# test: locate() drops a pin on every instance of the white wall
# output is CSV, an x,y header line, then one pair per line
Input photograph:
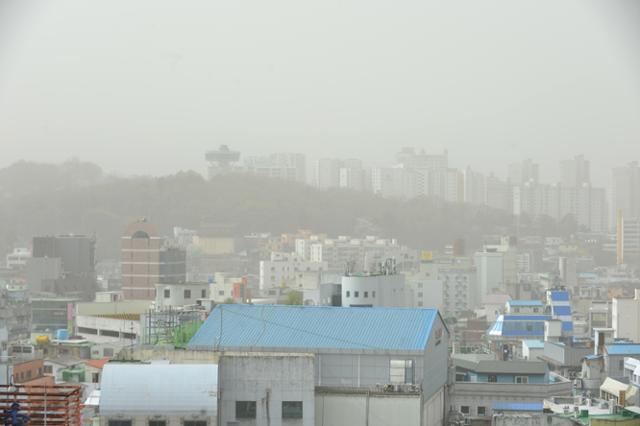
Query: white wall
x,y
626,318
351,410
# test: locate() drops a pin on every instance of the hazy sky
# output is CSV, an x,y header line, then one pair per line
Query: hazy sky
x,y
147,86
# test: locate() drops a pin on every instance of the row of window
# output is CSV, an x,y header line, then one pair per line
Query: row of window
x,y
247,409
480,410
157,423
187,293
357,294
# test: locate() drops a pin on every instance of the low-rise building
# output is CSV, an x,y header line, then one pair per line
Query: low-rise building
x,y
174,394
395,356
482,382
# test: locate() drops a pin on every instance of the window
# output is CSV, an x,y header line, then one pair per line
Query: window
x,y
48,369
194,423
420,294
157,423
366,294
187,294
522,379
482,411
291,409
203,293
401,371
621,364
464,409
167,293
373,294
95,378
119,422
492,378
348,293
535,310
107,352
220,292
356,294
245,409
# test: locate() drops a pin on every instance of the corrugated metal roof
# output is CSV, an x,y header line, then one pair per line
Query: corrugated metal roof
x,y
525,303
562,310
559,296
314,327
623,349
164,389
517,406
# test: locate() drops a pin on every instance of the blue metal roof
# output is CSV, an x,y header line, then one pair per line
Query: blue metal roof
x,y
562,310
517,406
527,317
567,326
560,296
283,326
623,349
525,303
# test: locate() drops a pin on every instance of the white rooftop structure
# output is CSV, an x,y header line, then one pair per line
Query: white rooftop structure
x,y
159,389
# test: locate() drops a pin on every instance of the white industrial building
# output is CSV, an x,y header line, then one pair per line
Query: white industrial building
x,y
159,395
180,294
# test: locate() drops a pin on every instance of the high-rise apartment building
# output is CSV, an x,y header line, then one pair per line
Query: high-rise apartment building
x,y
328,173
146,260
576,172
524,172
625,187
75,255
287,166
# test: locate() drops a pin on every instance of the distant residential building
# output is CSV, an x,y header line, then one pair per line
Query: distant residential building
x,y
482,382
626,317
626,191
286,166
15,314
575,172
18,258
474,187
524,172
76,254
147,261
328,173
290,270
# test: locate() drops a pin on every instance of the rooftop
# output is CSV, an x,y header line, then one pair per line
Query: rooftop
x,y
623,349
159,389
517,406
501,367
534,344
314,327
525,303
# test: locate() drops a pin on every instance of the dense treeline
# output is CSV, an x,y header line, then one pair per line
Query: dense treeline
x,y
78,198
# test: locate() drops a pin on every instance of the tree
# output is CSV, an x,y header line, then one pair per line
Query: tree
x,y
293,298
229,301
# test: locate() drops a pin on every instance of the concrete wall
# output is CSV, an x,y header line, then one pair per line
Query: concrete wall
x,y
362,409
626,318
268,379
143,419
362,370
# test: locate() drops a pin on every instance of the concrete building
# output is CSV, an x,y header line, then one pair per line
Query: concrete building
x,y
144,394
481,383
15,314
388,365
76,254
287,166
625,317
273,389
625,195
180,294
18,258
490,272
374,290
328,173
290,270
147,261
